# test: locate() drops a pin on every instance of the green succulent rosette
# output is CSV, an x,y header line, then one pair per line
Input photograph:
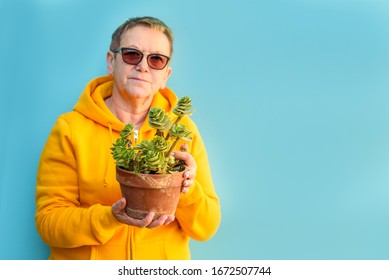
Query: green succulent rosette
x,y
127,131
154,161
160,144
123,156
121,142
180,131
143,146
158,119
183,107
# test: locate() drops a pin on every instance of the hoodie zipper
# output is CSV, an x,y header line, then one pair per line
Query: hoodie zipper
x,y
131,228
136,135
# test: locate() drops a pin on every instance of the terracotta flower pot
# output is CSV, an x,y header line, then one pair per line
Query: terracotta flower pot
x,y
144,193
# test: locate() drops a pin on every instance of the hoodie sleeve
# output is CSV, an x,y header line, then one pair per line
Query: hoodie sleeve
x,y
60,219
198,211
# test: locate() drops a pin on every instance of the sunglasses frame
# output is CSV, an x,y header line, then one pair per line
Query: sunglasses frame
x,y
142,55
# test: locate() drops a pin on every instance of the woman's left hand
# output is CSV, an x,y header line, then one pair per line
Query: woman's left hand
x,y
190,174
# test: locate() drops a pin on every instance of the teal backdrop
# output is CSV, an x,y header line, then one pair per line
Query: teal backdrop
x,y
291,98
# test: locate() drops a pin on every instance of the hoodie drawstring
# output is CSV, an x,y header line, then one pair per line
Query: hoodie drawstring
x,y
106,179
110,131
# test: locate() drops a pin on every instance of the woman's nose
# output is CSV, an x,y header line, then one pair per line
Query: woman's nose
x,y
142,65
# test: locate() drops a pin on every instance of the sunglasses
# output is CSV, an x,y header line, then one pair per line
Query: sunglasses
x,y
134,57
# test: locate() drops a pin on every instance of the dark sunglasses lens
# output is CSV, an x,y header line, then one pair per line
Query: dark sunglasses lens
x,y
132,56
157,61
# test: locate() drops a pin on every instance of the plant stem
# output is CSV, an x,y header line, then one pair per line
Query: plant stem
x,y
171,148
176,122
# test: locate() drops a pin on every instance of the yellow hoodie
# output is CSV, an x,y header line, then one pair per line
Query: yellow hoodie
x,y
76,187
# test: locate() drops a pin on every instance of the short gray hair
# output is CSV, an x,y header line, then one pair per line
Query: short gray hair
x,y
151,22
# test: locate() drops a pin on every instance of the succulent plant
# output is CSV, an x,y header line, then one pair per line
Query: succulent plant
x,y
183,107
154,157
159,120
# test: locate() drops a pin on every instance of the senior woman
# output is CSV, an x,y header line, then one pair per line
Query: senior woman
x,y
79,209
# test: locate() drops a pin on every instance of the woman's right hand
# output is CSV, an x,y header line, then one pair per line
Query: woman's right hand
x,y
120,214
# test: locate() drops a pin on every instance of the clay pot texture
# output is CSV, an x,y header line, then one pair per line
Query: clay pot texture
x,y
144,193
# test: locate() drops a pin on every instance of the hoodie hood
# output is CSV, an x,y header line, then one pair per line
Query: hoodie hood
x,y
91,103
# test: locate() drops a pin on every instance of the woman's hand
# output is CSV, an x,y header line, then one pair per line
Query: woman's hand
x,y
190,174
120,214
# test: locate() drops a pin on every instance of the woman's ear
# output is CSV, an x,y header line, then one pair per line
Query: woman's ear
x,y
110,62
167,75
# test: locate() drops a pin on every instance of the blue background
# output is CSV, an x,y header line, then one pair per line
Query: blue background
x,y
291,98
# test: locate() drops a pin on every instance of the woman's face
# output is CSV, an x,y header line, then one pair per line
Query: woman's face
x,y
140,81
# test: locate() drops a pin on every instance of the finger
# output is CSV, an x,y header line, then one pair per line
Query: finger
x,y
185,189
187,158
184,147
169,220
158,222
182,155
187,175
145,222
187,183
119,205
